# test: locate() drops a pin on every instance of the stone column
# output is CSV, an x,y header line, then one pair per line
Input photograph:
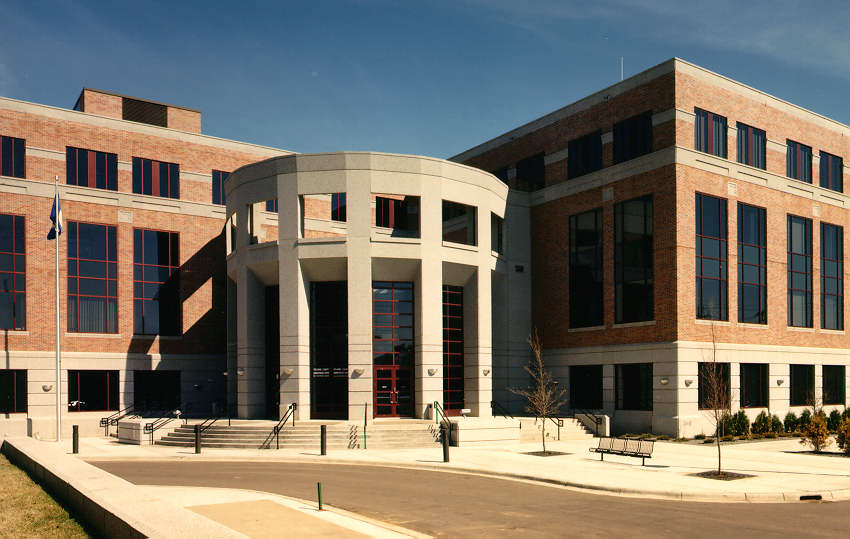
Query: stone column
x,y
429,335
359,275
478,359
232,340
250,350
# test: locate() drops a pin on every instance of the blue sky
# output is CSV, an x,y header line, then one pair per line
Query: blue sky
x,y
408,76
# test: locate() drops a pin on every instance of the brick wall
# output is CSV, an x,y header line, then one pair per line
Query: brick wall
x,y
184,120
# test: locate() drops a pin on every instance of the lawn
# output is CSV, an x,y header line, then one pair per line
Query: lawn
x,y
28,511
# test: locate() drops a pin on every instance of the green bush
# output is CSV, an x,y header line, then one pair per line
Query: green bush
x,y
727,438
740,424
770,435
833,420
776,425
843,436
805,418
726,424
815,433
699,437
662,437
845,414
708,441
762,423
791,422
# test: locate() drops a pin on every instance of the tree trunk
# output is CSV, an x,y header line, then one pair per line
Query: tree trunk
x,y
717,441
543,433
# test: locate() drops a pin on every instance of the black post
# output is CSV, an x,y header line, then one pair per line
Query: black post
x,y
324,431
197,439
444,437
76,439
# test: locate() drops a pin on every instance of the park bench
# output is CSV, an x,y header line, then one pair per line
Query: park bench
x,y
641,449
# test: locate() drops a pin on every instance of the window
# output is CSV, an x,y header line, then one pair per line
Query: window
x,y
460,223
92,278
338,207
799,271
634,386
752,146
831,276
802,385
752,264
156,283
531,173
711,253
710,133
714,388
88,168
497,234
834,384
584,155
12,157
218,178
586,387
156,178
137,110
799,161
92,391
754,386
400,214
501,173
831,172
13,391
271,205
453,397
633,260
13,273
586,298
633,137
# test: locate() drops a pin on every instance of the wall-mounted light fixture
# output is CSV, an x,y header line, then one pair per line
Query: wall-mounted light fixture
x,y
240,371
432,372
287,371
358,372
779,382
486,372
46,387
688,382
664,381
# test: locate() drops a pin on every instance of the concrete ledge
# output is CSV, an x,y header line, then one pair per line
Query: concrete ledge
x,y
110,506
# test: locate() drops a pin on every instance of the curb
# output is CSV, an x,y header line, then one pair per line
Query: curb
x,y
685,495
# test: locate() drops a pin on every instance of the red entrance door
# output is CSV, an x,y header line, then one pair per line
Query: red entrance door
x,y
392,348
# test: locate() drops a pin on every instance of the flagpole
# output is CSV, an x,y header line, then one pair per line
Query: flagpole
x,y
58,334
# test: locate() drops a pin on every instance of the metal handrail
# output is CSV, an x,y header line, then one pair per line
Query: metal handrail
x,y
558,423
208,422
158,423
113,419
275,432
439,412
596,420
365,415
502,411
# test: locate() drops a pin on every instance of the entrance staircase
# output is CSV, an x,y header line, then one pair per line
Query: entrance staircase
x,y
244,434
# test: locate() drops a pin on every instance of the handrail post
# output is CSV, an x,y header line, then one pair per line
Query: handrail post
x,y
365,415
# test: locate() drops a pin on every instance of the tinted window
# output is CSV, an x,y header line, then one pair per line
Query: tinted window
x,y
633,261
584,155
586,275
633,137
799,271
752,264
711,258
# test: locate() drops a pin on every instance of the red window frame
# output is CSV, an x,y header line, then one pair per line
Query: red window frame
x,y
172,188
75,385
808,272
271,205
453,388
395,367
19,274
88,178
139,268
722,260
111,258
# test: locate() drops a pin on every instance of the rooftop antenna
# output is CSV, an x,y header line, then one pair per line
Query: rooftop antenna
x,y
621,68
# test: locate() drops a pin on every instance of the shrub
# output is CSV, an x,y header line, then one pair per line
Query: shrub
x,y
845,414
770,435
805,417
727,438
699,437
726,426
776,425
791,422
662,437
815,433
833,421
708,441
740,423
762,423
843,436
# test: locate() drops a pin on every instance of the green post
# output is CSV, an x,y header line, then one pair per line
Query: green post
x,y
319,488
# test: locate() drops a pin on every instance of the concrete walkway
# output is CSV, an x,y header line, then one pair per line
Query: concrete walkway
x,y
782,470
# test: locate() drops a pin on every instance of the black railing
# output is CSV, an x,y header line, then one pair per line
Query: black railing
x,y
113,419
158,423
365,415
226,414
275,433
441,418
592,416
557,421
498,409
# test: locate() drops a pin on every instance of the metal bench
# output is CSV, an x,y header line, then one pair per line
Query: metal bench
x,y
641,449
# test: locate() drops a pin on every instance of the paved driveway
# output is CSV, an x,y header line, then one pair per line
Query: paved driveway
x,y
449,504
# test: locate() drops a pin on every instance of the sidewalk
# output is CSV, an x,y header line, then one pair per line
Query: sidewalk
x,y
782,470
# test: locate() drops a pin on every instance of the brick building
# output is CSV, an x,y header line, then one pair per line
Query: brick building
x,y
672,221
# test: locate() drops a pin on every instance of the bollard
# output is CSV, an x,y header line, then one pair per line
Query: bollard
x,y
444,438
76,439
324,432
319,488
197,439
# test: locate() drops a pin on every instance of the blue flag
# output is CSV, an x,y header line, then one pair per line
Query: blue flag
x,y
56,218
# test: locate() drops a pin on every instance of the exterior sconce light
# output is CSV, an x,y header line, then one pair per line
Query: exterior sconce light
x,y
46,387
240,371
664,381
358,372
779,382
196,387
288,371
688,382
486,372
432,372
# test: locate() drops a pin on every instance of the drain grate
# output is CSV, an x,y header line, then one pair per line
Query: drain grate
x,y
811,497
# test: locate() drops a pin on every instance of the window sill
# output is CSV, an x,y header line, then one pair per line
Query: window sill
x,y
703,322
462,246
23,332
803,330
334,239
634,324
749,325
589,328
94,336
831,331
160,337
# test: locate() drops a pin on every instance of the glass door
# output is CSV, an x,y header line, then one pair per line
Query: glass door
x,y
392,348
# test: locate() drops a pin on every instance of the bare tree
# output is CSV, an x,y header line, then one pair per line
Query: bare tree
x,y
544,398
716,398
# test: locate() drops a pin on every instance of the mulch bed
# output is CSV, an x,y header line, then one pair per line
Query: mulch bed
x,y
722,476
546,453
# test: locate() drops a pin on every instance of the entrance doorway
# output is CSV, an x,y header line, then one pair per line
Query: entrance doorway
x,y
272,321
392,348
156,390
329,350
452,349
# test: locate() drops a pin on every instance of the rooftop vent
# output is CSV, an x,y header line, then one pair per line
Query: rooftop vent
x,y
144,111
